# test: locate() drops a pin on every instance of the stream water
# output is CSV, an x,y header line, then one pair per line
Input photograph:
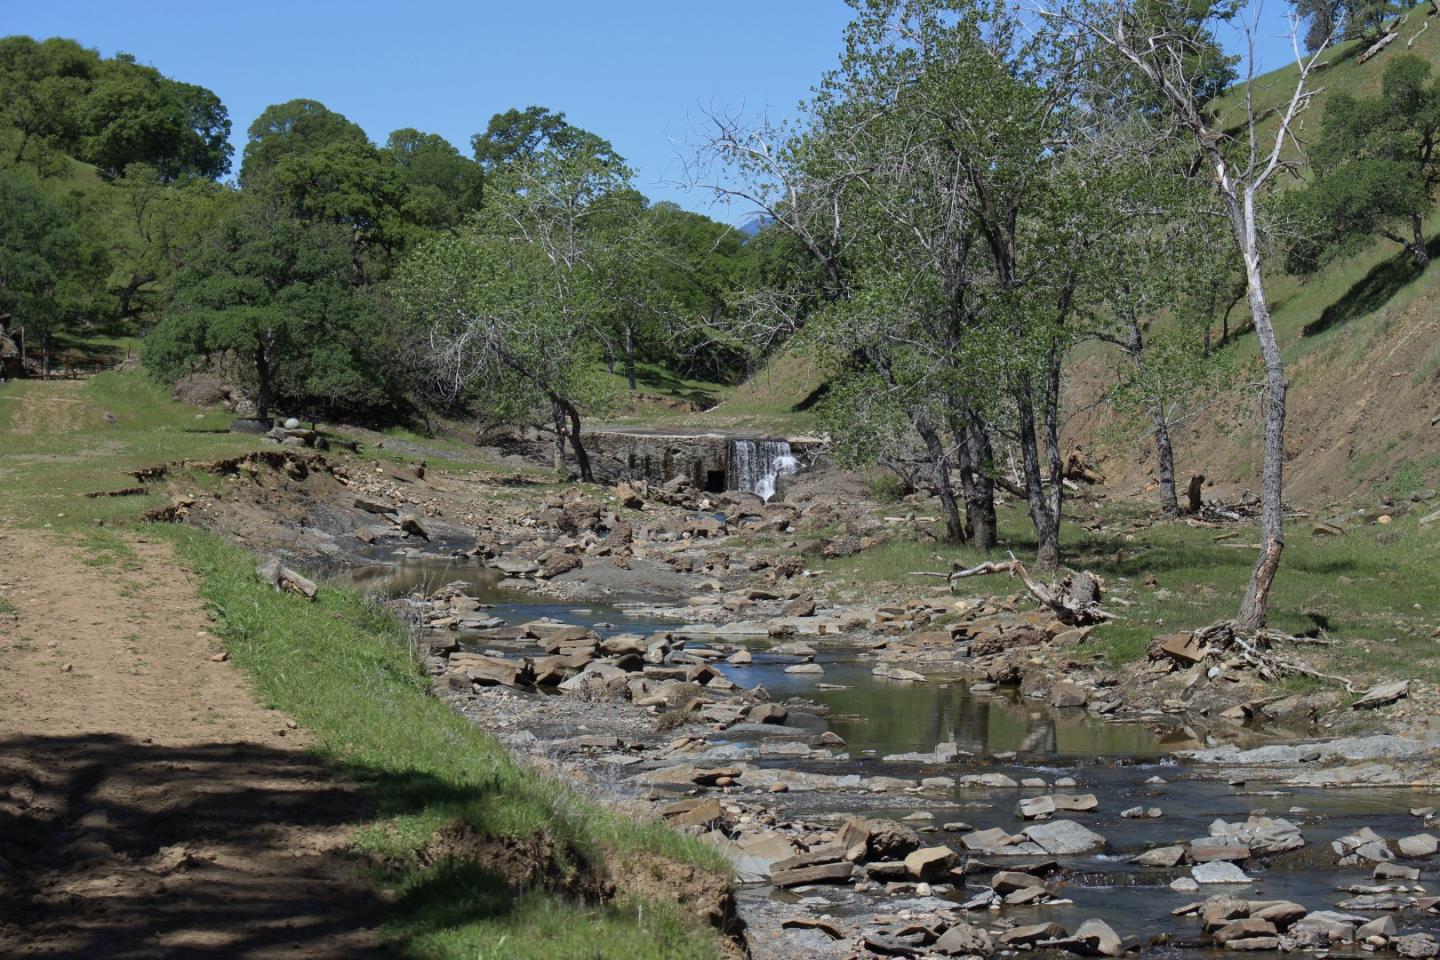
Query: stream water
x,y
1115,761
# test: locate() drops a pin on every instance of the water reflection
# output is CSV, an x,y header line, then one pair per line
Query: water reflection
x,y
871,713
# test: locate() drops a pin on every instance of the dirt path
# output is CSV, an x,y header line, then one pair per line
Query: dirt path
x,y
149,806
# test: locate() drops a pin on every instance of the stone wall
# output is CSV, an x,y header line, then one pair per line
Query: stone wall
x,y
700,458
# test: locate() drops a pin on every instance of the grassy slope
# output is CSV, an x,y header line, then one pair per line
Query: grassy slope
x,y
343,671
778,399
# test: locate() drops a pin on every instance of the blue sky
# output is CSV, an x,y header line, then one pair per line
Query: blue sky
x,y
639,72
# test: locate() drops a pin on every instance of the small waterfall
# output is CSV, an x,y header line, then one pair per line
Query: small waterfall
x,y
755,465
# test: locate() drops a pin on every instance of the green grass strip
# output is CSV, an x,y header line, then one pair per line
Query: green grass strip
x,y
341,667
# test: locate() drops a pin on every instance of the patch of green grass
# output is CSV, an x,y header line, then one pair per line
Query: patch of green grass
x,y
654,380
6,607
1372,591
1407,478
341,668
59,446
459,911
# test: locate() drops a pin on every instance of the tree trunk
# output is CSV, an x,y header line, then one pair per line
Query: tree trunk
x,y
1165,459
557,420
630,354
1047,539
1155,406
940,466
262,378
1255,609
1417,248
1056,491
582,459
967,473
129,292
981,509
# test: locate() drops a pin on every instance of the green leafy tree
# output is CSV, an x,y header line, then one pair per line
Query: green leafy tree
x,y
350,186
41,87
442,187
51,275
109,112
505,328
1242,168
291,128
1377,165
273,295
149,226
133,114
698,266
513,308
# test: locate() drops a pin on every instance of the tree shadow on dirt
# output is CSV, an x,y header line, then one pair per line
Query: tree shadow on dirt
x,y
119,848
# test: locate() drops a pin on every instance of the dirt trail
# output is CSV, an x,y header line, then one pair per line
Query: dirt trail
x,y
149,806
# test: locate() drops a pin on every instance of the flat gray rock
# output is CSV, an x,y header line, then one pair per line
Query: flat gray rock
x,y
1062,837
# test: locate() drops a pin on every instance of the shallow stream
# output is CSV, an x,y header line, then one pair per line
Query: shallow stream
x,y
1114,761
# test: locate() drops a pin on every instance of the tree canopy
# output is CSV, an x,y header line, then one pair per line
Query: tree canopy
x,y
1376,165
110,112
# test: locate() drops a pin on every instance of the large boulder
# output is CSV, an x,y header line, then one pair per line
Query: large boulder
x,y
202,389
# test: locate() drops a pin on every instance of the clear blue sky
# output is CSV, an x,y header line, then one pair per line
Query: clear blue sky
x,y
638,72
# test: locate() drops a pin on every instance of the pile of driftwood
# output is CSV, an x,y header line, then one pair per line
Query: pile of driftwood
x,y
1259,650
1074,599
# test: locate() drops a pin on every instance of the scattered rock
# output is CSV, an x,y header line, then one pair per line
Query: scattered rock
x,y
1383,695
1419,845
1218,871
1063,837
930,863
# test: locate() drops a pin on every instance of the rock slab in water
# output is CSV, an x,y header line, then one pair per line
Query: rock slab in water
x,y
820,873
1064,837
963,940
1420,845
1218,871
930,863
1094,938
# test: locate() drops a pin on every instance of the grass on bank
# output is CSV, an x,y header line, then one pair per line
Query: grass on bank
x,y
342,669
1375,590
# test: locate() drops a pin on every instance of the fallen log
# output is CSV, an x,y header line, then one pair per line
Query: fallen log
x,y
1076,606
1378,46
283,578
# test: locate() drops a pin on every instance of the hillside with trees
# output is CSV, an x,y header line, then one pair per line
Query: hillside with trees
x,y
444,550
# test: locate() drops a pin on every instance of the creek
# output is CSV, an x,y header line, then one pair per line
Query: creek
x,y
1004,733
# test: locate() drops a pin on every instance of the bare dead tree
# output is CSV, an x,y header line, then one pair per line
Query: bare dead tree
x,y
1160,47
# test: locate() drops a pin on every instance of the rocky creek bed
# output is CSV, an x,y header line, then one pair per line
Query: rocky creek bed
x,y
872,808
902,771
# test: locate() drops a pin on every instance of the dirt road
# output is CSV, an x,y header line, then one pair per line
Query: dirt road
x,y
149,806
